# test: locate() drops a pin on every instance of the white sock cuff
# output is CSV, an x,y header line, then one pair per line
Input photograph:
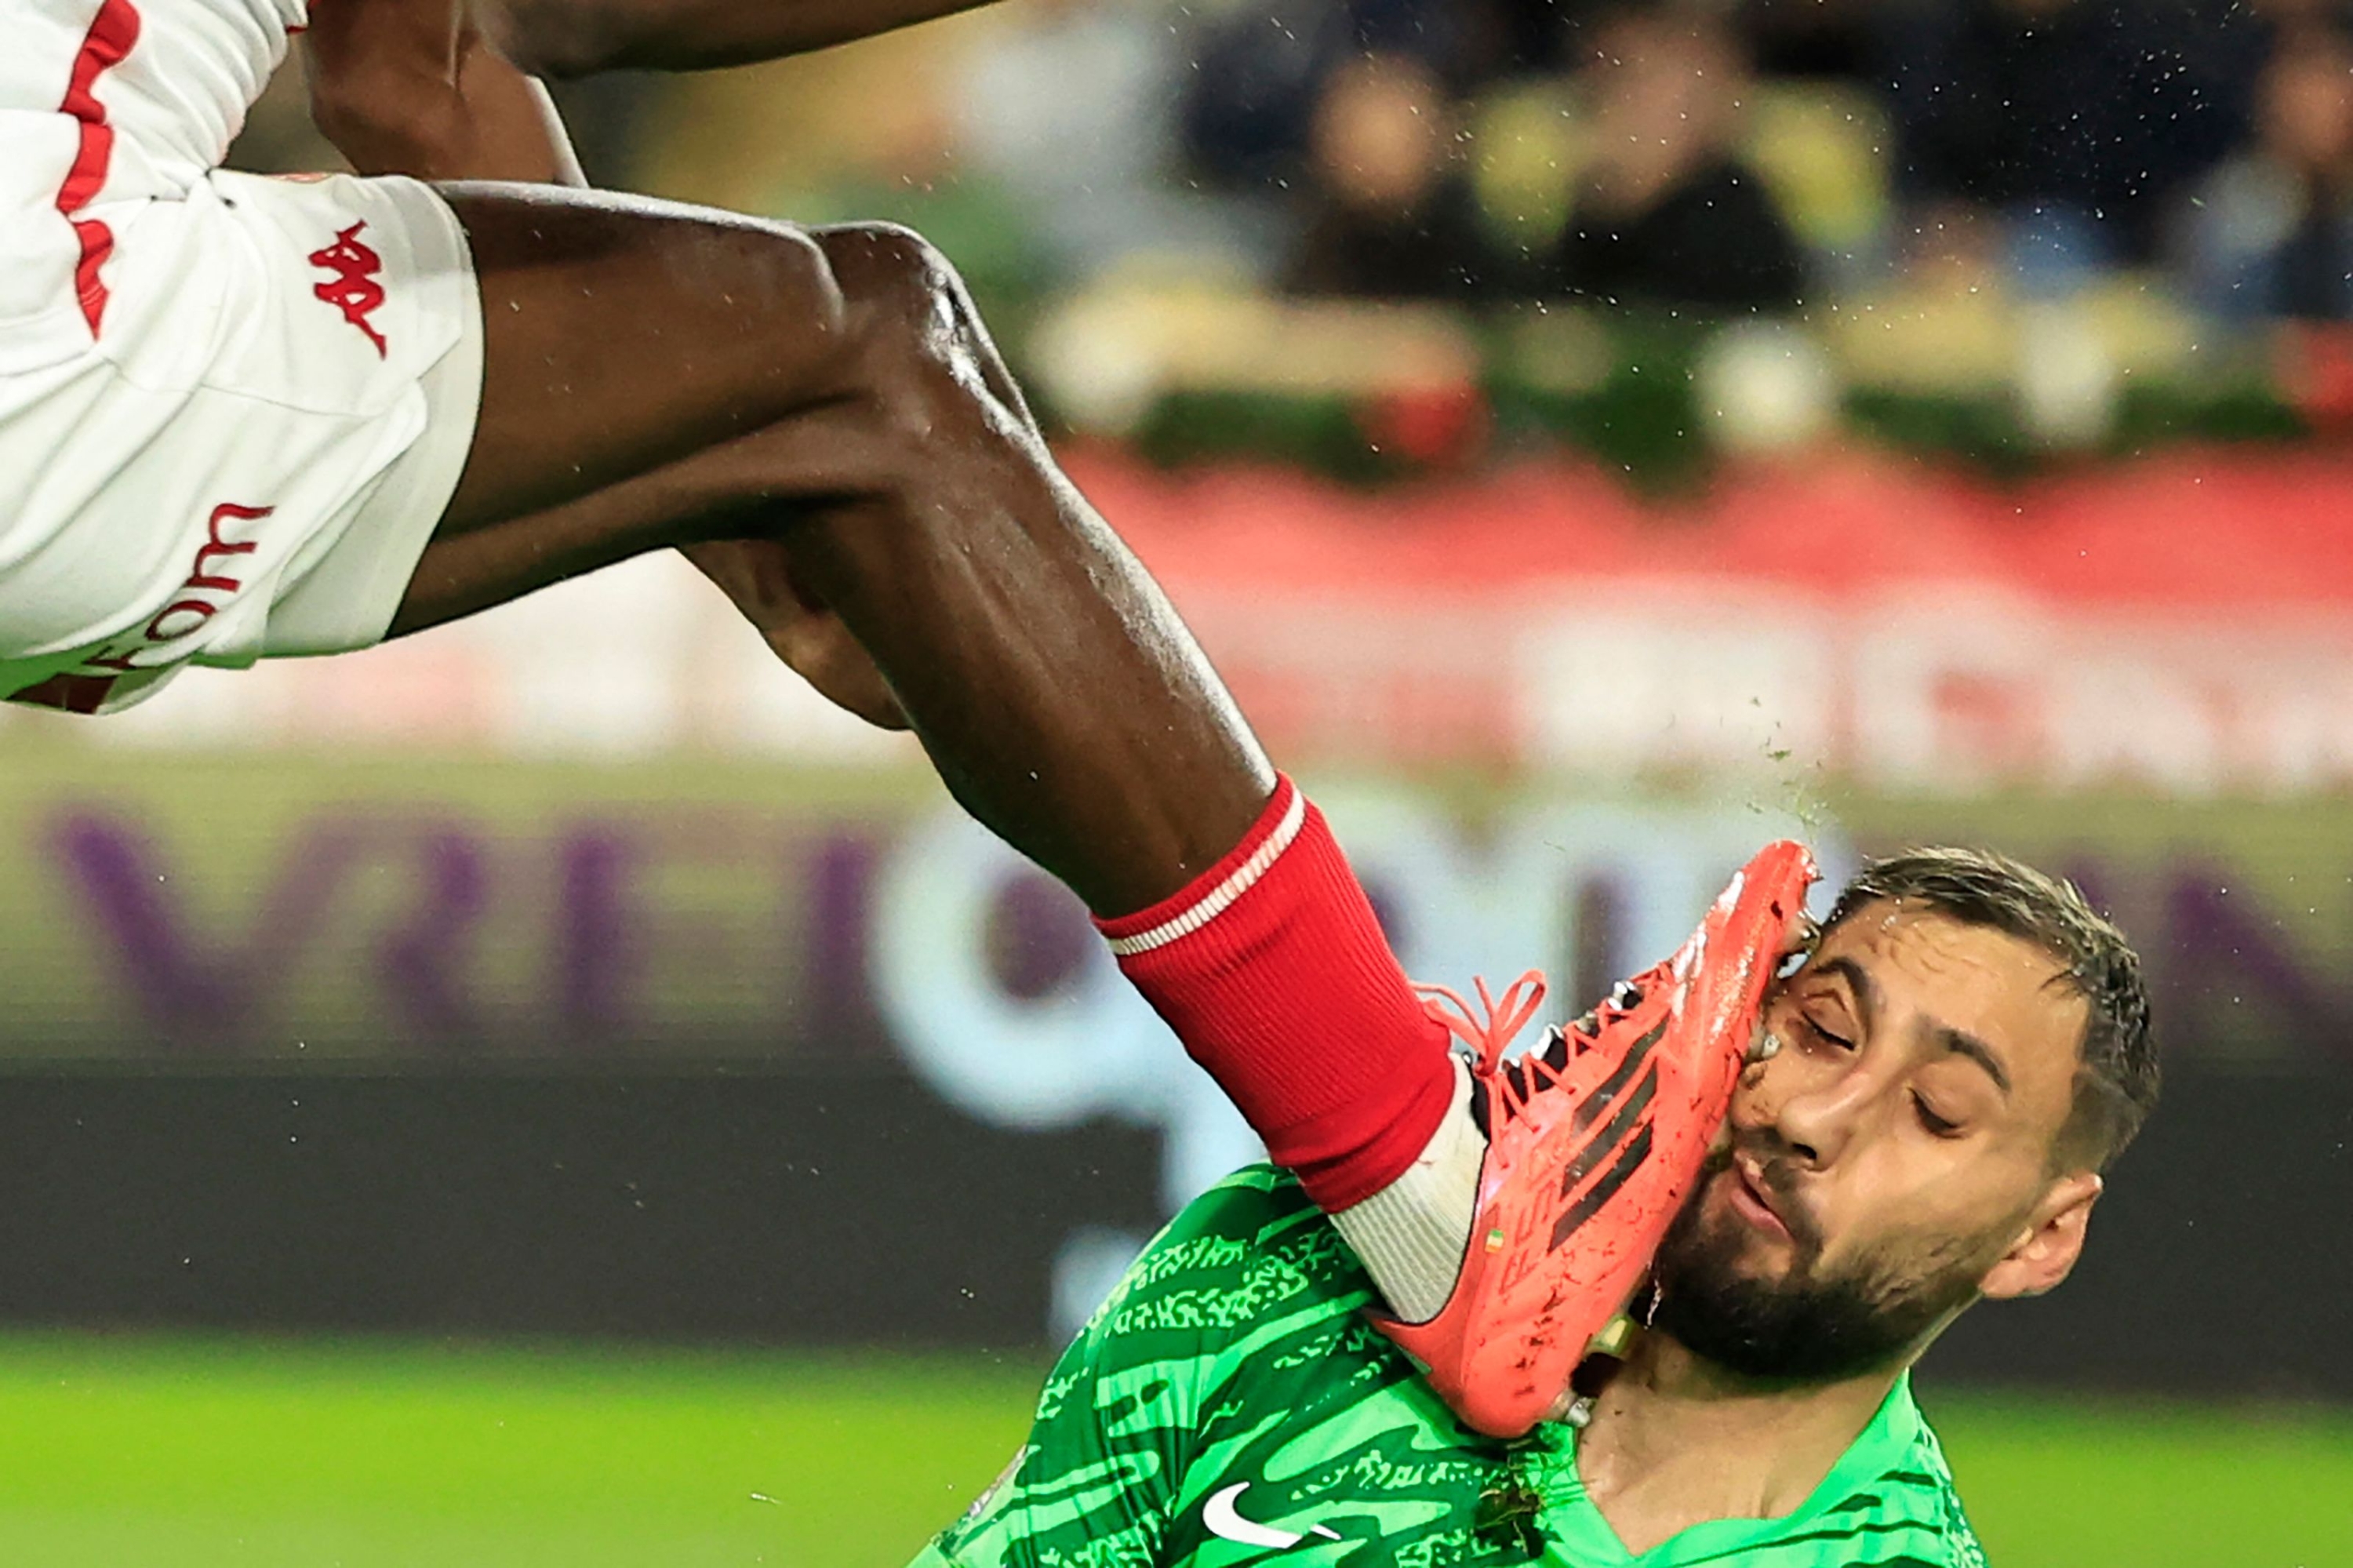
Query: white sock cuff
x,y
1412,1234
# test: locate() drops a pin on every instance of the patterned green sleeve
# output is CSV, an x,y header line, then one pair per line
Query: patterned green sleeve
x,y
1098,1480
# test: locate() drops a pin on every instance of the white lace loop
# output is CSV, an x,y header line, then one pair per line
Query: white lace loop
x,y
1503,1018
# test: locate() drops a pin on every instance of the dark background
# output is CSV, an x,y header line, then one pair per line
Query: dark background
x,y
845,1207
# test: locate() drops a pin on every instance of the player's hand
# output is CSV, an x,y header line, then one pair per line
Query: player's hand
x,y
757,575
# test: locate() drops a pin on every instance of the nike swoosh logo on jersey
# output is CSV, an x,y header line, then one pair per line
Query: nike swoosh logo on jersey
x,y
1222,1517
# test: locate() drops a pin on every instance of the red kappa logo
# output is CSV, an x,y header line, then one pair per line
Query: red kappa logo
x,y
353,288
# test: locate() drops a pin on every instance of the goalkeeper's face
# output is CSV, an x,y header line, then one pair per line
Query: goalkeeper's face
x,y
1891,1161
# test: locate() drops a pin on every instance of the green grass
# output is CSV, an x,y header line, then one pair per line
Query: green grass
x,y
135,1451
2151,1485
126,1453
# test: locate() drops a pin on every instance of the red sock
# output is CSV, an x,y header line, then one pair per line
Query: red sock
x,y
1272,970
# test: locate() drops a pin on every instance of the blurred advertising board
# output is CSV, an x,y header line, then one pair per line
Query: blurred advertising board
x,y
280,909
617,1046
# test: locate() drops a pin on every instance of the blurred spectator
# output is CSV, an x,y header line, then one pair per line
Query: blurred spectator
x,y
1261,70
2073,119
2270,232
1257,76
1666,210
1388,211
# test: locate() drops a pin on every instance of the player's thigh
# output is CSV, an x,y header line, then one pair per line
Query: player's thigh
x,y
622,334
657,375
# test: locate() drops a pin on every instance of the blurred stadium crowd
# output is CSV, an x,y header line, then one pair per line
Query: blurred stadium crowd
x,y
1749,157
2030,201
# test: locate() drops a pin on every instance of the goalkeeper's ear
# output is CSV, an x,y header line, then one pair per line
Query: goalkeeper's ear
x,y
2049,1242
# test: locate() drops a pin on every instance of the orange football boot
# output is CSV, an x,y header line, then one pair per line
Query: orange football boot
x,y
1593,1143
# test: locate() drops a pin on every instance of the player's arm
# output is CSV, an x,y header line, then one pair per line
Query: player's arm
x,y
414,87
573,38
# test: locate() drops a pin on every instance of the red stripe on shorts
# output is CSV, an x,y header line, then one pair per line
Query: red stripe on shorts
x,y
111,34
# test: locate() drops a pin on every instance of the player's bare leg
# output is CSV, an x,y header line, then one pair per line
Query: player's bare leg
x,y
659,376
1063,700
1064,703
874,444
847,400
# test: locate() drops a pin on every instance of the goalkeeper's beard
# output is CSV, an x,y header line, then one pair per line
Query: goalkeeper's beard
x,y
1806,1324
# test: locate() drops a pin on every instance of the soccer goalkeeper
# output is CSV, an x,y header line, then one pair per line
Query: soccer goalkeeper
x,y
1964,1051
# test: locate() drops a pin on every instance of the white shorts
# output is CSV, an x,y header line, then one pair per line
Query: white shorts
x,y
250,453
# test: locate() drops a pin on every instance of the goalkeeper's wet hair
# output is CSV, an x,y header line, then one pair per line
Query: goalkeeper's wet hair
x,y
2116,1077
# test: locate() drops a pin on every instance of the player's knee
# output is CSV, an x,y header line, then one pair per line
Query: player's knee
x,y
906,304
887,264
928,350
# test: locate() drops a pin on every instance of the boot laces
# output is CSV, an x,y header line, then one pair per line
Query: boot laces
x,y
1487,1035
1490,1032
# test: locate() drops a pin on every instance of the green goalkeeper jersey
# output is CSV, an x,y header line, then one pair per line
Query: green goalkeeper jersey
x,y
1230,1404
